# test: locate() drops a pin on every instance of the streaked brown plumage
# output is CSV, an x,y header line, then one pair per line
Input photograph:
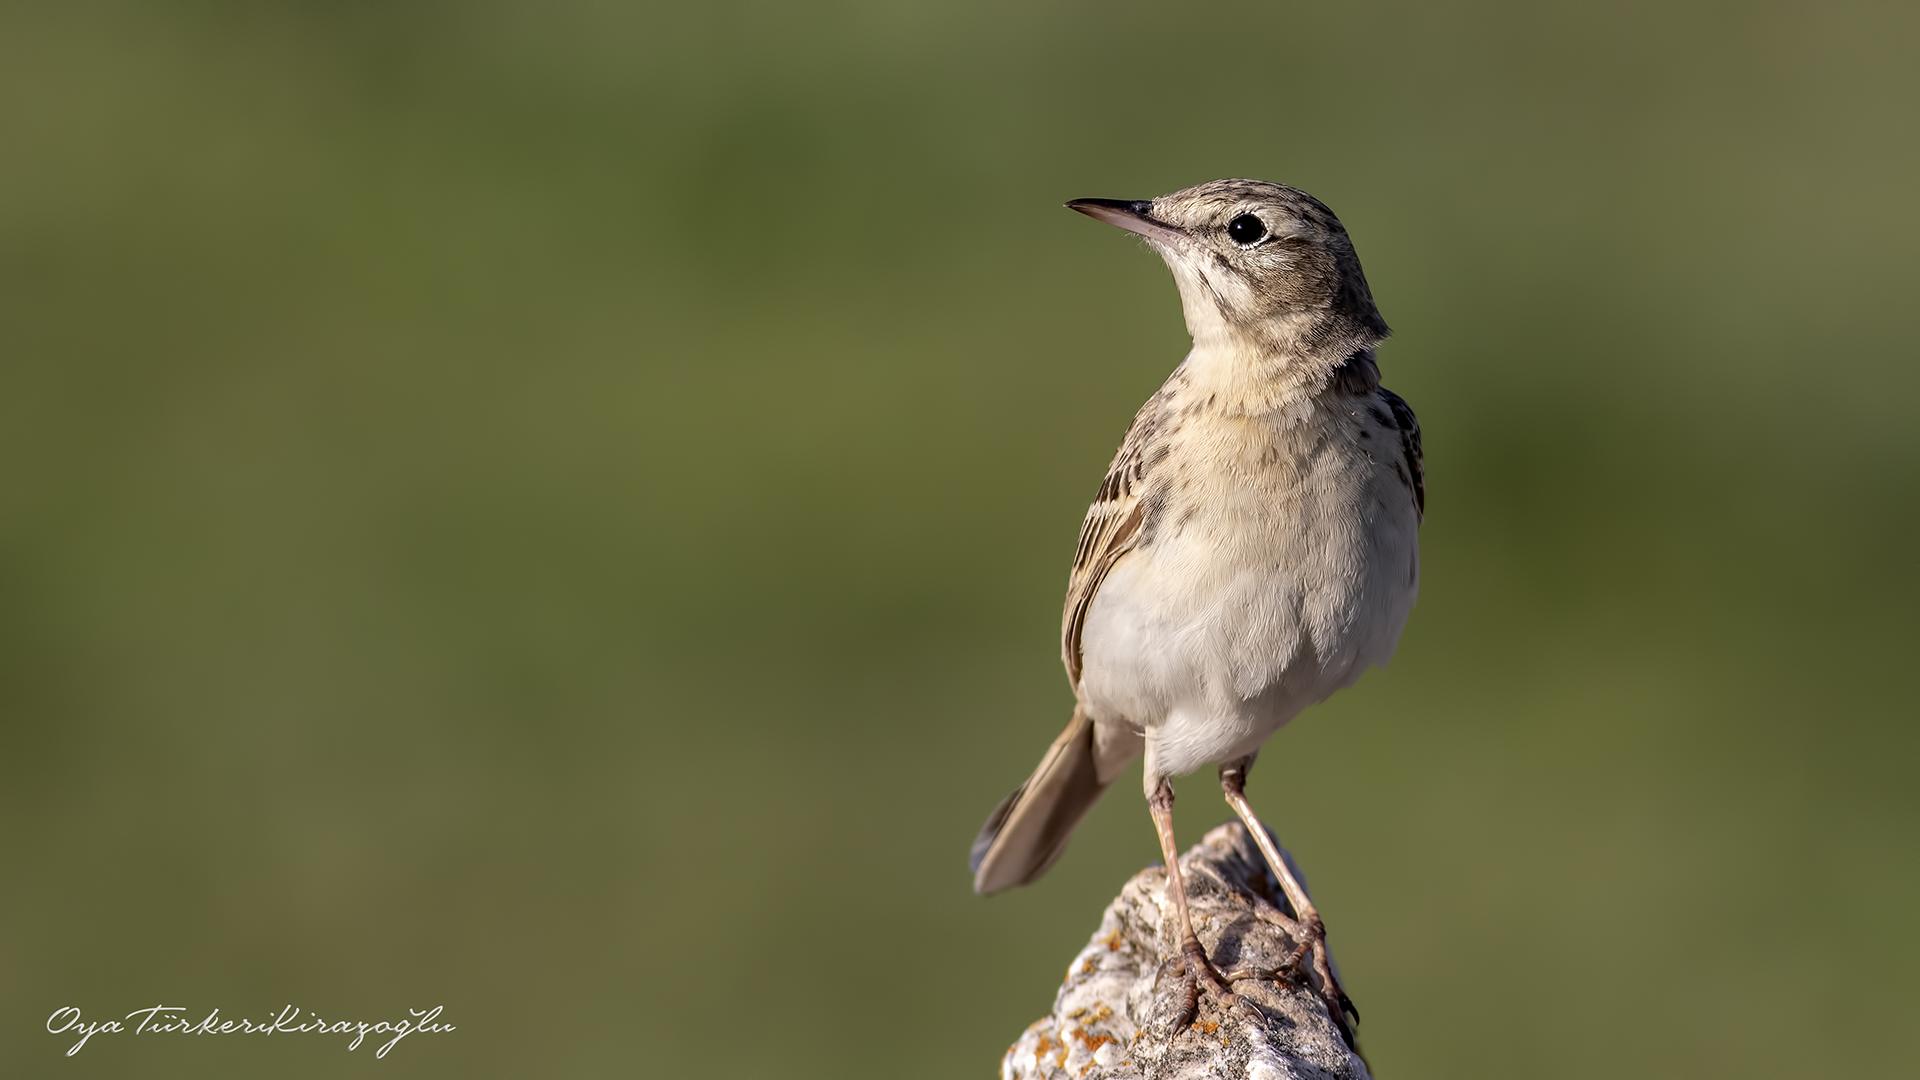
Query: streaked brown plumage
x,y
1253,547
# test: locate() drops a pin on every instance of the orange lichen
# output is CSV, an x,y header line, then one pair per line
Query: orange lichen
x,y
1091,1042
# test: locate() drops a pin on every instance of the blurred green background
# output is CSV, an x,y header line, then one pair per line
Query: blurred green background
x,y
560,511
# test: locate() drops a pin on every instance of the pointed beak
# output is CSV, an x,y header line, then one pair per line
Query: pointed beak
x,y
1133,215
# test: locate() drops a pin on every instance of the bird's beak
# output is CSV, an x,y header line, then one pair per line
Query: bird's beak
x,y
1133,215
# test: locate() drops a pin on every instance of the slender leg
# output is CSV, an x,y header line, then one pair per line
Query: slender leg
x,y
1308,932
1200,970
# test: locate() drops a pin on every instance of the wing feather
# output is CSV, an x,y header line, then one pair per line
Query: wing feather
x,y
1409,426
1112,526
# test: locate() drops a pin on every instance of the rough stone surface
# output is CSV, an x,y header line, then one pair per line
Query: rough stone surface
x,y
1113,1017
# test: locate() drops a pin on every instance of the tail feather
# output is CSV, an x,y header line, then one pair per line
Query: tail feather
x,y
1029,829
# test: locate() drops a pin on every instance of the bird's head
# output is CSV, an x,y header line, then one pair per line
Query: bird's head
x,y
1261,267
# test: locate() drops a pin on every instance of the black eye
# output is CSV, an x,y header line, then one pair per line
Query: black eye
x,y
1246,229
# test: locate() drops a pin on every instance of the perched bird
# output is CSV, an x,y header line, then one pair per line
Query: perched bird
x,y
1253,549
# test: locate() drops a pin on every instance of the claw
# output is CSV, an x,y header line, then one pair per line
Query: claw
x,y
1189,1003
1338,1005
1200,974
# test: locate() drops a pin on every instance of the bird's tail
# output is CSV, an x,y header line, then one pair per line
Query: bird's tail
x,y
1029,829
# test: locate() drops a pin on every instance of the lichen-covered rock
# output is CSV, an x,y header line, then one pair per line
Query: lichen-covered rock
x,y
1114,1016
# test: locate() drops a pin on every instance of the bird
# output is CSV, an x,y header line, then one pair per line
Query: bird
x,y
1253,548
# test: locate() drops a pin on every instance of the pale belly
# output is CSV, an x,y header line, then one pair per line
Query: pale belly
x,y
1266,599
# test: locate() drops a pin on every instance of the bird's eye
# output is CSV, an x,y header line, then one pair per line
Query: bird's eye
x,y
1246,229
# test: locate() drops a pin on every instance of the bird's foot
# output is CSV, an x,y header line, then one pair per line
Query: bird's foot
x,y
1308,965
1200,976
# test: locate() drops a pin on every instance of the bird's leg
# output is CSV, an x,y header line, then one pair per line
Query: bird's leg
x,y
1306,929
1200,971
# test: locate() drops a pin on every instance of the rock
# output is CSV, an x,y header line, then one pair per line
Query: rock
x,y
1113,1017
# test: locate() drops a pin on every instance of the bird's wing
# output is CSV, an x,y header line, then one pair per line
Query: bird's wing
x,y
1409,425
1112,525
